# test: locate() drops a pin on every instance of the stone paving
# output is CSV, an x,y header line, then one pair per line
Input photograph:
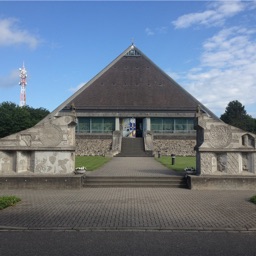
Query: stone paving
x,y
130,208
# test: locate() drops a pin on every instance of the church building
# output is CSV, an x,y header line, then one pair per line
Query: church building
x,y
133,99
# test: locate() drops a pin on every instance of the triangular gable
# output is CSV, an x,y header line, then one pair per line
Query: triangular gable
x,y
132,82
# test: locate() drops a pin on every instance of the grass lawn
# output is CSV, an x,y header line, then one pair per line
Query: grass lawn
x,y
91,162
94,162
253,199
181,162
6,201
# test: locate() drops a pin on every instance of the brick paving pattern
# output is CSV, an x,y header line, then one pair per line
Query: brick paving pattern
x,y
130,208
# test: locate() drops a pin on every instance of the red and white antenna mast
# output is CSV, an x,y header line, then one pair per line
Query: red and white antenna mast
x,y
23,83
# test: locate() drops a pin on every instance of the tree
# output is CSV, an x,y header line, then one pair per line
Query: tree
x,y
14,118
235,115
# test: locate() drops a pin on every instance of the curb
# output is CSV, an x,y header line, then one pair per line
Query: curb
x,y
129,229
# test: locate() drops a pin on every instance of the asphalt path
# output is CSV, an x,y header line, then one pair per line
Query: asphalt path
x,y
37,243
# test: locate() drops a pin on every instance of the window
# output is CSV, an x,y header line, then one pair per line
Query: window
x,y
133,52
109,125
95,125
172,125
168,124
157,124
83,125
181,125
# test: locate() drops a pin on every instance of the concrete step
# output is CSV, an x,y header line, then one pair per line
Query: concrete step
x,y
133,147
136,154
120,181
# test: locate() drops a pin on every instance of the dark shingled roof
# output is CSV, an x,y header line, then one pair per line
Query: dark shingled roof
x,y
132,82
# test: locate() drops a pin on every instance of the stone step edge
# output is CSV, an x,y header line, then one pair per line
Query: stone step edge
x,y
135,185
137,181
134,178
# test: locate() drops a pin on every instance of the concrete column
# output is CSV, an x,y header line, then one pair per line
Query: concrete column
x,y
254,163
22,161
245,140
7,161
117,124
146,124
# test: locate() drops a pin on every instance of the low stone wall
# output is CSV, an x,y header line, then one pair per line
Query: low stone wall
x,y
69,181
100,145
226,182
179,147
93,146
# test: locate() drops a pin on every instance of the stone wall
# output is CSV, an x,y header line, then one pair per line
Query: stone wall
x,y
223,149
225,182
46,148
100,145
179,147
93,145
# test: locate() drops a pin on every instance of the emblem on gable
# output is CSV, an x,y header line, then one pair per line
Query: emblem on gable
x,y
51,135
220,136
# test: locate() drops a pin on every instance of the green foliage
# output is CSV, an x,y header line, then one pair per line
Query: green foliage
x,y
181,162
6,201
236,115
91,162
14,118
253,199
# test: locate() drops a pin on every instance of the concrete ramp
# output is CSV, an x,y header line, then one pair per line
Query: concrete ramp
x,y
133,166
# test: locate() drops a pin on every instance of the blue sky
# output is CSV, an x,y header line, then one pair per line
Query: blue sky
x,y
209,48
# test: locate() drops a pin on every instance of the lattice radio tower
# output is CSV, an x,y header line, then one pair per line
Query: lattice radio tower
x,y
23,83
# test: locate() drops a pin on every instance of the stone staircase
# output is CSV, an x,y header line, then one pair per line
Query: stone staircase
x,y
125,181
133,147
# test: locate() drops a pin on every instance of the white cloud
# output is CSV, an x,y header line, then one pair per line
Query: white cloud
x,y
149,32
217,13
11,34
173,75
162,30
12,79
159,30
74,89
229,48
226,71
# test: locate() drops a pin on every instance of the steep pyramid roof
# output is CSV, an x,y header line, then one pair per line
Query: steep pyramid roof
x,y
132,82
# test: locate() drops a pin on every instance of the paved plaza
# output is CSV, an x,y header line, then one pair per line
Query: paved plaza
x,y
130,208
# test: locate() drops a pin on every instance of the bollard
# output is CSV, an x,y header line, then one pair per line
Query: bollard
x,y
173,159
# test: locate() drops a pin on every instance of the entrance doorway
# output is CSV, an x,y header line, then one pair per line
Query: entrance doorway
x,y
139,127
132,127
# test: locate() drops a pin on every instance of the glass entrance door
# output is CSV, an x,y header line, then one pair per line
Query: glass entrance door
x,y
132,127
139,127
